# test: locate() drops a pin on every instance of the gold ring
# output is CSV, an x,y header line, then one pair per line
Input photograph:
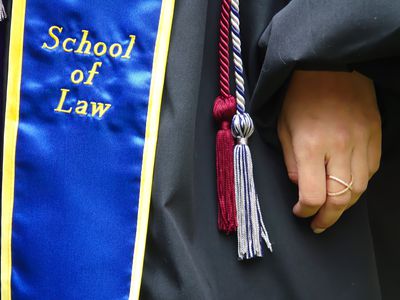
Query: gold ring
x,y
348,186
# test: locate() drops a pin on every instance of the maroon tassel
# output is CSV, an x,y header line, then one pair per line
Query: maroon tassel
x,y
224,110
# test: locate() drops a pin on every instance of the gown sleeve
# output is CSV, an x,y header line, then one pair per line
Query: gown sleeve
x,y
362,35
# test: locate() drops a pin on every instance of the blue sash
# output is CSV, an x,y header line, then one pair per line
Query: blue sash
x,y
83,100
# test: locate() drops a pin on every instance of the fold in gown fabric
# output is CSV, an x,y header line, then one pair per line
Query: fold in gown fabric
x,y
186,257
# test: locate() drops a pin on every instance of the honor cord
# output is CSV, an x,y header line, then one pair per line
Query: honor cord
x,y
251,229
224,110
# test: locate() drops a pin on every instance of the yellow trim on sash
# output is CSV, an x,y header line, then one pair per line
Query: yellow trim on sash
x,y
10,141
149,152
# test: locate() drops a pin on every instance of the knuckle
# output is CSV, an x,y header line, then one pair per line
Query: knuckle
x,y
375,122
342,139
323,223
312,201
360,187
306,146
339,202
293,176
361,132
364,125
375,167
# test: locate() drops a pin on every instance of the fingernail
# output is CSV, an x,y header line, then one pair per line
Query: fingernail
x,y
319,230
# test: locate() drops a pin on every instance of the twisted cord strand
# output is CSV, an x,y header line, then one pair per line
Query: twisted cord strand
x,y
237,56
223,49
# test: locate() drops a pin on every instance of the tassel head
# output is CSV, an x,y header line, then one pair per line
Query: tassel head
x,y
224,109
242,127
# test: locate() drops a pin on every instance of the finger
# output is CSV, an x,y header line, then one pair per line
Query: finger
x,y
288,153
360,172
374,153
339,166
311,181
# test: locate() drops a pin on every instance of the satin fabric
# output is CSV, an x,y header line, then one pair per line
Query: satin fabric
x,y
77,177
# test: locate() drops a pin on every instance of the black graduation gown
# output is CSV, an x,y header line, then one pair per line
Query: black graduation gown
x,y
186,257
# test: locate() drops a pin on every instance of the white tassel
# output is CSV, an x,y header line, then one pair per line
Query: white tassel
x,y
3,14
251,231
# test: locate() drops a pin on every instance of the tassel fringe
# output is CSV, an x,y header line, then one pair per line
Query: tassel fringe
x,y
3,14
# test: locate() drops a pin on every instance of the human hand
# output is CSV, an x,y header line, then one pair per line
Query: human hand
x,y
329,125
